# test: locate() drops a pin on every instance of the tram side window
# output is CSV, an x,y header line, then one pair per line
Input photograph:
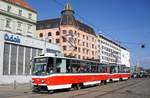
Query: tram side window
x,y
68,67
102,69
50,65
58,65
113,69
77,66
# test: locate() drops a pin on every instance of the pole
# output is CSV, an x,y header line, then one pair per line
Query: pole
x,y
45,43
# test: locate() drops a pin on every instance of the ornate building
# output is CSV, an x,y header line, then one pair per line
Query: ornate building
x,y
75,38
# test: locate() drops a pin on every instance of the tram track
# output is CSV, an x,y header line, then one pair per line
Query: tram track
x,y
122,86
116,86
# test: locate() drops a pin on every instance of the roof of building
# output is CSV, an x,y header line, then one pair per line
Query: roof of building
x,y
55,23
105,38
20,3
67,18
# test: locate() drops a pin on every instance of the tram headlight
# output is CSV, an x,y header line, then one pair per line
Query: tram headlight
x,y
42,81
32,81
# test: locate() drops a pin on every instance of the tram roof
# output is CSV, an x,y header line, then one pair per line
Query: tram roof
x,y
68,58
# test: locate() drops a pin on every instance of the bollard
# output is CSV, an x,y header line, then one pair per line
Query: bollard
x,y
30,84
15,84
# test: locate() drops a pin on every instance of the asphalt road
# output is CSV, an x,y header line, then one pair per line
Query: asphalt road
x,y
134,88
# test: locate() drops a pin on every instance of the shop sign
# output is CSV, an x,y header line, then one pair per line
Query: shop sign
x,y
12,38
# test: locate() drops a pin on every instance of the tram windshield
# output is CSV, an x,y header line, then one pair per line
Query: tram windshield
x,y
39,66
46,66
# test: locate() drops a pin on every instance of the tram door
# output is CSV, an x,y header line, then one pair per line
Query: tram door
x,y
60,65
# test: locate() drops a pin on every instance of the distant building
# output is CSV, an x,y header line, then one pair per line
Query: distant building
x,y
109,52
76,39
125,57
18,44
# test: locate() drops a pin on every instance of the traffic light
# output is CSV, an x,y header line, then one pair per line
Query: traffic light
x,y
142,46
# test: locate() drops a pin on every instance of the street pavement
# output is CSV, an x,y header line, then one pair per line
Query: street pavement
x,y
133,88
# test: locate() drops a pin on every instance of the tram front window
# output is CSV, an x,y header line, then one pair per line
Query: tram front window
x,y
39,69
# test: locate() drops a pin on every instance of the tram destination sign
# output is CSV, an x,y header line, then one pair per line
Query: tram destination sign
x,y
12,38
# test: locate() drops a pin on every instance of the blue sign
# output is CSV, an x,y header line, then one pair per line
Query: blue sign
x,y
12,38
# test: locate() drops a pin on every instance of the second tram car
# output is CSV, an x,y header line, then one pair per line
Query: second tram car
x,y
53,72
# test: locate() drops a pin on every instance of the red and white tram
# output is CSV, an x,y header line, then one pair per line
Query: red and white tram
x,y
119,73
54,72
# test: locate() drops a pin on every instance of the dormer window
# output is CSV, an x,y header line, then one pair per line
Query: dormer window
x,y
29,15
8,8
49,34
20,12
57,33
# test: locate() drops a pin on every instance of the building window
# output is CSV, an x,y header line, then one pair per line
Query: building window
x,y
57,41
79,56
78,42
75,32
78,35
64,39
8,21
86,44
49,40
83,51
83,36
19,26
49,34
71,32
20,12
83,43
92,45
8,8
87,52
64,31
87,37
92,39
29,15
83,57
79,49
64,48
92,52
41,35
57,33
29,27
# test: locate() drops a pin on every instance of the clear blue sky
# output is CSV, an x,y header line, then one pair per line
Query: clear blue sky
x,y
121,20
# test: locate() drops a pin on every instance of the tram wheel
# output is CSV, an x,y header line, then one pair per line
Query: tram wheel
x,y
75,87
50,91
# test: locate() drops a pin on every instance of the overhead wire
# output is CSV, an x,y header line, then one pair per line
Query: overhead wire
x,y
98,29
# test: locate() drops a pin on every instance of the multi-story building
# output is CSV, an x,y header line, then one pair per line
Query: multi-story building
x,y
125,57
75,38
18,44
109,52
17,16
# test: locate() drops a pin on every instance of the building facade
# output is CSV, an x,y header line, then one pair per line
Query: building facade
x,y
76,39
17,16
18,43
109,52
125,57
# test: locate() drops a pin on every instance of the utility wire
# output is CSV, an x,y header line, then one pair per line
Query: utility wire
x,y
81,17
98,29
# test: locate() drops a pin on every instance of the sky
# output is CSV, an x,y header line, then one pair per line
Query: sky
x,y
124,21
